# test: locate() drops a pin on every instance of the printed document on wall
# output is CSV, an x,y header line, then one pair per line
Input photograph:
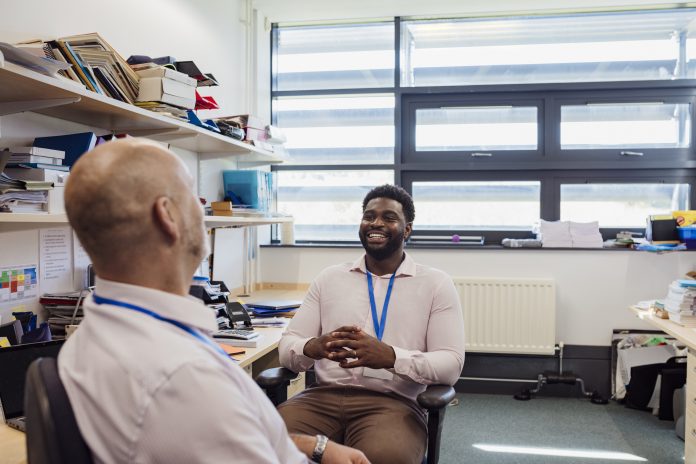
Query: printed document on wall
x,y
18,282
55,260
80,262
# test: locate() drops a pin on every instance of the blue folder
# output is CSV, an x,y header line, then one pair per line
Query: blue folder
x,y
74,145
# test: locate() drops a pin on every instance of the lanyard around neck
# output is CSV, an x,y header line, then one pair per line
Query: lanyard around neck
x,y
379,326
99,300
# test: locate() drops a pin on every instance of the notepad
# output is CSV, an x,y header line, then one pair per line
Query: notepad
x,y
231,350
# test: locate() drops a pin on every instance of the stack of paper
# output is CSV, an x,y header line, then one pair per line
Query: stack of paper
x,y
554,234
586,235
569,234
63,309
680,303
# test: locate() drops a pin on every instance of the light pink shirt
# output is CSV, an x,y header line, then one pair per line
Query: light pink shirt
x,y
145,391
424,325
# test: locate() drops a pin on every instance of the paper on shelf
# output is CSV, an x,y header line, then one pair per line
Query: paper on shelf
x,y
28,60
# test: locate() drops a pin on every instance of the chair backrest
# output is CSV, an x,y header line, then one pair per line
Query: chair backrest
x,y
52,433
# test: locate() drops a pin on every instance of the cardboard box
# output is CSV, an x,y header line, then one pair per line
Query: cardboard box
x,y
167,91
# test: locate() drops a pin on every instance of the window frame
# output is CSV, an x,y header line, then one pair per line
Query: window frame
x,y
549,164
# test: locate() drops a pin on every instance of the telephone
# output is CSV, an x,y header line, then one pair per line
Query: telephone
x,y
238,313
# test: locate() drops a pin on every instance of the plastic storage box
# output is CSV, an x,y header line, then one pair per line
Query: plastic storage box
x,y
688,236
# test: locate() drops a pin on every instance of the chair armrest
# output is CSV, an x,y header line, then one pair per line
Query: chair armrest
x,y
436,397
273,377
275,381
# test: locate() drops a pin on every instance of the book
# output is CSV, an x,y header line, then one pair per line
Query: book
x,y
235,342
22,158
74,145
38,151
55,167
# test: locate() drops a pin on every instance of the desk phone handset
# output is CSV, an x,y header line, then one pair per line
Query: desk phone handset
x,y
238,315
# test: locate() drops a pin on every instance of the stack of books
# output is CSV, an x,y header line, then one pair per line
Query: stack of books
x,y
96,65
166,86
36,155
680,302
275,308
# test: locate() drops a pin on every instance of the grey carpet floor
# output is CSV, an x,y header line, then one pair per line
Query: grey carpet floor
x,y
558,423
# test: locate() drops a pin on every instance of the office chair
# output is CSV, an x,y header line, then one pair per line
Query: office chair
x,y
434,399
52,433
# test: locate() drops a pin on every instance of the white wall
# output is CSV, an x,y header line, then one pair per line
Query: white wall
x,y
210,32
593,288
326,10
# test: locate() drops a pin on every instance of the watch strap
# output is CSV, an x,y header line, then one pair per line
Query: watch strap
x,y
319,448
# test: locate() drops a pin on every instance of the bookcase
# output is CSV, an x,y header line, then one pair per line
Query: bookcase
x,y
25,90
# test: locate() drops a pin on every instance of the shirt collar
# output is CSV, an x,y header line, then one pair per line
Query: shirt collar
x,y
407,267
187,310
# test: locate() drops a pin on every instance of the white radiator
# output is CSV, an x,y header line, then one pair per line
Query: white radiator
x,y
508,315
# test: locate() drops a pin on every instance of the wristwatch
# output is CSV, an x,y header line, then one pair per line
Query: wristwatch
x,y
319,448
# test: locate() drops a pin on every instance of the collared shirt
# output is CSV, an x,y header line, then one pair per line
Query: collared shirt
x,y
146,391
424,325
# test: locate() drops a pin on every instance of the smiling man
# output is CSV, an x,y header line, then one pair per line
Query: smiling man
x,y
377,331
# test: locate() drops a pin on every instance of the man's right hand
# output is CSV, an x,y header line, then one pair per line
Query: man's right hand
x,y
339,454
317,348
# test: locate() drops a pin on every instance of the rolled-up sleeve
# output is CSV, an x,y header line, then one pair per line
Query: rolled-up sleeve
x,y
443,359
305,325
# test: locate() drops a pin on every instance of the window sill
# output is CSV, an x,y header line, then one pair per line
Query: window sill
x,y
431,246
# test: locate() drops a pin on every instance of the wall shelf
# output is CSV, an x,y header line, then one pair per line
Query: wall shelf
x,y
36,218
210,221
24,90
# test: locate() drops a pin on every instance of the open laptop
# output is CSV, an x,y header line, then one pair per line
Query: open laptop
x,y
14,363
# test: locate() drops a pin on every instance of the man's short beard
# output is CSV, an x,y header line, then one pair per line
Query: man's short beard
x,y
387,250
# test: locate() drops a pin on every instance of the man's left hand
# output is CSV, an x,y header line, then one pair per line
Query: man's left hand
x,y
366,350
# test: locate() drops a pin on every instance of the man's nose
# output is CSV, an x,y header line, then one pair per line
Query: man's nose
x,y
377,221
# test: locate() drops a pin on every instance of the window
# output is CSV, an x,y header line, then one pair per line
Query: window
x,y
465,206
338,129
335,57
626,125
327,205
621,205
476,128
490,123
567,48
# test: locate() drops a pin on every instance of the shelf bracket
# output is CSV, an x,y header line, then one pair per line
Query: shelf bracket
x,y
32,105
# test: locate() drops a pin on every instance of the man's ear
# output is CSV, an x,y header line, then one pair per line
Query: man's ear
x,y
407,230
163,215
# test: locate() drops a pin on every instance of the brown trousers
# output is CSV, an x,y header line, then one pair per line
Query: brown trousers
x,y
387,428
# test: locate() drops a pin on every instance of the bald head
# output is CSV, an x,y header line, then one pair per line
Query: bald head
x,y
130,201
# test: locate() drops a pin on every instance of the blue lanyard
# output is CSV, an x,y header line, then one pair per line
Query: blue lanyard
x,y
379,326
184,327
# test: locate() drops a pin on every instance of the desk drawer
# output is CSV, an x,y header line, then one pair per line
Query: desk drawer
x,y
690,438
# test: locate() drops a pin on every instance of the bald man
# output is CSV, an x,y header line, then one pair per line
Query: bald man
x,y
145,380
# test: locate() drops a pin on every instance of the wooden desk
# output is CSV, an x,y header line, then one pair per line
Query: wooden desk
x,y
12,446
13,443
687,336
